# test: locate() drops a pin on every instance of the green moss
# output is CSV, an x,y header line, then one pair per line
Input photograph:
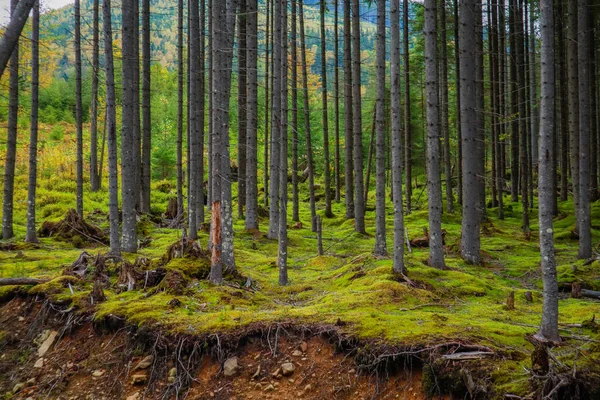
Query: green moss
x,y
54,286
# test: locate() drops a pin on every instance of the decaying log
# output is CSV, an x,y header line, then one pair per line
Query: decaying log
x,y
21,281
578,292
467,355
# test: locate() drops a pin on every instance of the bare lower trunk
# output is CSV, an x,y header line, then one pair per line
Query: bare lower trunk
x,y
252,126
94,175
359,191
348,116
78,109
146,115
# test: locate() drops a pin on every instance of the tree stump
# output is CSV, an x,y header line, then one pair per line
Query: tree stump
x,y
510,300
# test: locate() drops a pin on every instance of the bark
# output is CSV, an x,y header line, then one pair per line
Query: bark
x,y
491,14
348,115
434,181
522,119
194,128
242,106
573,101
78,109
533,96
294,86
31,235
180,68
283,155
268,34
380,151
10,38
324,106
564,102
470,235
498,111
111,129
128,166
549,326
396,125
201,116
252,125
336,84
444,126
11,140
458,126
95,182
137,137
307,127
359,191
583,215
146,112
514,102
407,114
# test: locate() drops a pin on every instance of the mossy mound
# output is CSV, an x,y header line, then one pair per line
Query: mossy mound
x,y
72,228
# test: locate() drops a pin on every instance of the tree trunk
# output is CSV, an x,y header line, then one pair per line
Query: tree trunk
x,y
294,86
194,128
242,106
336,83
549,326
470,235
180,69
359,191
31,235
95,182
146,116
407,113
396,107
111,129
10,38
348,114
444,127
434,181
252,125
268,34
573,101
11,140
583,215
78,109
324,106
307,132
458,127
380,148
283,155
514,101
128,166
522,119
564,102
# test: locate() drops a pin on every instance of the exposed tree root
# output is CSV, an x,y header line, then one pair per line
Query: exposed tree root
x,y
75,230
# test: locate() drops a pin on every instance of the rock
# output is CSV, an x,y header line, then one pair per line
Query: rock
x,y
297,353
308,388
287,368
291,381
39,363
134,396
18,387
258,386
230,367
98,373
139,378
21,319
47,343
270,388
277,373
352,371
145,363
257,373
172,375
304,347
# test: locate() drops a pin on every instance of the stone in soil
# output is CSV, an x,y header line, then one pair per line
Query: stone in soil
x,y
230,367
287,368
139,379
145,363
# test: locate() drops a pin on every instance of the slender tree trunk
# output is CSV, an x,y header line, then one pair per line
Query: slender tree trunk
x,y
252,125
396,107
336,80
31,236
348,114
380,234
407,113
128,166
491,14
194,128
583,39
324,105
564,103
549,326
283,155
498,110
470,235
458,106
180,127
434,179
359,191
503,103
242,106
10,38
593,124
522,117
95,182
111,129
11,140
444,126
294,86
269,32
146,116
573,101
307,132
201,115
514,101
535,112
78,109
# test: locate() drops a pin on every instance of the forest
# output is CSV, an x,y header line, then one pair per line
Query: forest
x,y
300,199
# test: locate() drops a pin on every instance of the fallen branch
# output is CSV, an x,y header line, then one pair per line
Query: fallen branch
x,y
21,281
469,355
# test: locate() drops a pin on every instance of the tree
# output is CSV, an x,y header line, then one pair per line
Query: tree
x,y
549,326
94,174
78,109
522,118
434,181
324,107
444,126
294,87
407,113
221,235
396,125
19,12
111,128
336,84
128,166
146,112
268,44
359,191
348,115
380,234
252,125
283,155
514,101
458,106
563,121
583,214
572,67
31,236
470,235
180,68
242,105
11,140
307,127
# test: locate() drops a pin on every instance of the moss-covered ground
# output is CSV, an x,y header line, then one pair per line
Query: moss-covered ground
x,y
347,286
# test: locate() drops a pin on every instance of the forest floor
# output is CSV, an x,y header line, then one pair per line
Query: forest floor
x,y
367,332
